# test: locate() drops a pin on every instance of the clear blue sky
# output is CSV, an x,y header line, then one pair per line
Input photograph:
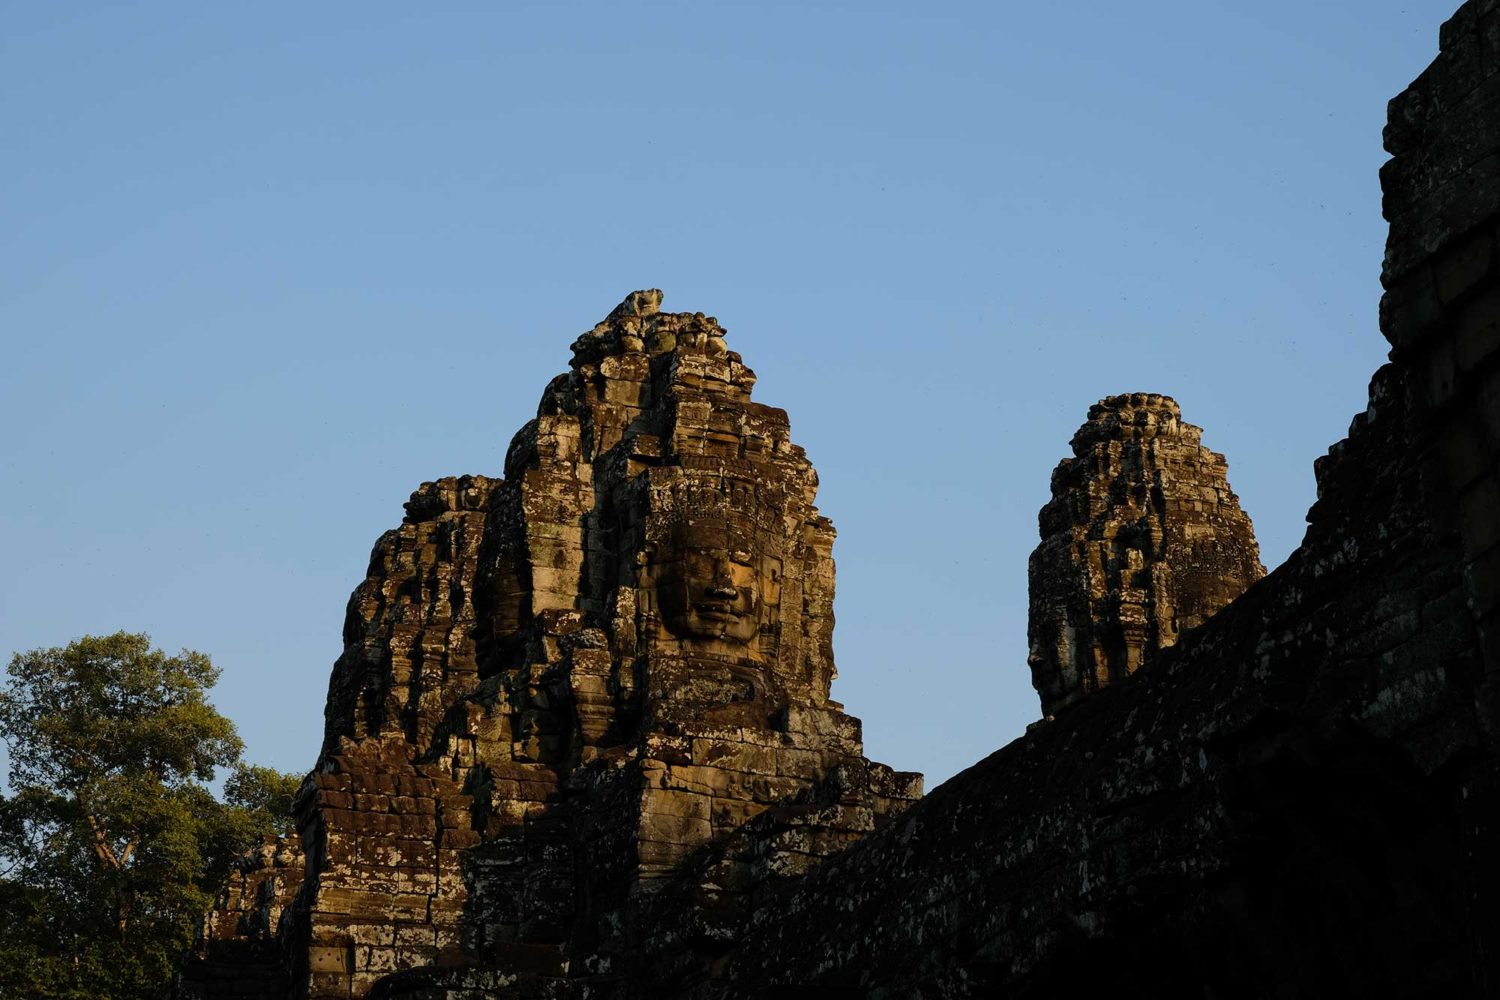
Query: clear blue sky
x,y
266,267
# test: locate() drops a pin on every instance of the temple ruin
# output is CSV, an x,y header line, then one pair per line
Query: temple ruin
x,y
580,744
1141,541
560,688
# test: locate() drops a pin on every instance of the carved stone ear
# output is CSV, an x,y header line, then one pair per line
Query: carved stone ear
x,y
647,555
770,588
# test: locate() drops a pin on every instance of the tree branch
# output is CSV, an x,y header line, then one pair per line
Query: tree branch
x,y
102,850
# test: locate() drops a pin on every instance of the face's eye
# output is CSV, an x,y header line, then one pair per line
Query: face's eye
x,y
740,556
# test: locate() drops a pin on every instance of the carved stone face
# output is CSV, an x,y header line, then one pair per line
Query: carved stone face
x,y
708,584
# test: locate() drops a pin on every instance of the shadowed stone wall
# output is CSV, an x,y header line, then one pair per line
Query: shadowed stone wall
x,y
580,743
1299,798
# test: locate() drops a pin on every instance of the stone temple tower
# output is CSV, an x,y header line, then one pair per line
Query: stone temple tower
x,y
1142,539
564,691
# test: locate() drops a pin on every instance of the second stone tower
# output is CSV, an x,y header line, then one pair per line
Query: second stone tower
x,y
1142,539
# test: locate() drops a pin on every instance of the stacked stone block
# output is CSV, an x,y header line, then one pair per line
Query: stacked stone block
x,y
1142,540
385,889
236,953
1297,797
1441,314
561,689
409,651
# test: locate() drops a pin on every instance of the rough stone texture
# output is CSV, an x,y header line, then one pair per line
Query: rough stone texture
x,y
236,953
408,645
1274,806
564,690
1142,540
1298,798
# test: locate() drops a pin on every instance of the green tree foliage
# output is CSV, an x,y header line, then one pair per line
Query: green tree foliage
x,y
111,846
264,792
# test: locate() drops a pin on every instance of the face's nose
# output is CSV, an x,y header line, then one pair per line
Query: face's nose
x,y
723,582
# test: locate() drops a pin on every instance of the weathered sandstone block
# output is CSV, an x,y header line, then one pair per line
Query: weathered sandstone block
x,y
560,688
1141,540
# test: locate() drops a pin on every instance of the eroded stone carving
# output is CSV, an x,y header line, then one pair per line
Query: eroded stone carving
x,y
1142,539
560,686
1301,798
708,581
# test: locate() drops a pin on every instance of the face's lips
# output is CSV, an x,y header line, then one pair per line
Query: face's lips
x,y
716,611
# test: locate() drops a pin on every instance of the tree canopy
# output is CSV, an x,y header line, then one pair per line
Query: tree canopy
x,y
111,843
